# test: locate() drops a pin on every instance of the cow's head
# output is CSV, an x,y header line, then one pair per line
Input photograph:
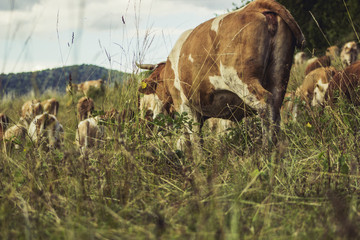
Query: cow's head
x,y
350,53
322,86
319,93
149,84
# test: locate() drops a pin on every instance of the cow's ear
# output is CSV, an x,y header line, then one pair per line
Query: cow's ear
x,y
148,87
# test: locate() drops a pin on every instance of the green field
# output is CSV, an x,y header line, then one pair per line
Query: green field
x,y
137,185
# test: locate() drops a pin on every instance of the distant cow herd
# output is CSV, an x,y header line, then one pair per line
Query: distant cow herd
x,y
232,66
39,121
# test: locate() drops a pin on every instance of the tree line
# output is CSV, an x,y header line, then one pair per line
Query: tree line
x,y
55,79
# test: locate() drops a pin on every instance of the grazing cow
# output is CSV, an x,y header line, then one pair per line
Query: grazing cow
x,y
51,106
349,53
157,93
300,58
309,92
4,122
323,61
30,110
234,64
89,134
333,52
84,87
347,82
13,136
85,107
46,129
318,77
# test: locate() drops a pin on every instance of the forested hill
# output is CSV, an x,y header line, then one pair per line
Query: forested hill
x,y
54,79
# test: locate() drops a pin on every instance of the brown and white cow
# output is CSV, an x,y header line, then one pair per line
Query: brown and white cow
x,y
333,52
46,130
309,92
349,53
234,64
90,133
300,58
13,137
85,107
4,122
30,110
347,82
324,61
84,87
318,77
51,106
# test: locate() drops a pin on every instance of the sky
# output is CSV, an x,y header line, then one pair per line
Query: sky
x,y
42,34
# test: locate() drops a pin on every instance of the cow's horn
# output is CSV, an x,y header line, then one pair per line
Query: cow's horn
x,y
146,66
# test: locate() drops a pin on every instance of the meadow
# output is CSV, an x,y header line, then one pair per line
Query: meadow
x,y
137,185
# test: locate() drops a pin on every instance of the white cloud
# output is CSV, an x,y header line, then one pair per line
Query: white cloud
x,y
42,29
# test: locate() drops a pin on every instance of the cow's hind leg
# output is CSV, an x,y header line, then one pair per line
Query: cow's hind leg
x,y
278,72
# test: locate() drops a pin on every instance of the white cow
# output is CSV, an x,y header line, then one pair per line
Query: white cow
x,y
349,53
300,58
46,129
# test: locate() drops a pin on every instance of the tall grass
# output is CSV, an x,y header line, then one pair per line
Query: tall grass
x,y
138,185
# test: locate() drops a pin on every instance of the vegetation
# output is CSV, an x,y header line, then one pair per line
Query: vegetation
x,y
54,79
138,185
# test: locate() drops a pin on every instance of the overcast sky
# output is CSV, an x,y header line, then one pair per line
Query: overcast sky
x,y
40,34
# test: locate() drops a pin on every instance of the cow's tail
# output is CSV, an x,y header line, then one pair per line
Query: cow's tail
x,y
266,6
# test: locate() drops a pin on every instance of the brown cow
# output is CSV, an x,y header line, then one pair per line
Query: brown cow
x,y
347,82
13,136
311,92
234,64
349,53
323,61
84,87
319,77
85,107
51,106
30,110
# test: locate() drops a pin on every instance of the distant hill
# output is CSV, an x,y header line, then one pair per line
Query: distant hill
x,y
55,79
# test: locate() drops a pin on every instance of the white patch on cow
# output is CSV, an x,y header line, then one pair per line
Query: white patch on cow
x,y
174,57
151,102
319,93
229,80
191,59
